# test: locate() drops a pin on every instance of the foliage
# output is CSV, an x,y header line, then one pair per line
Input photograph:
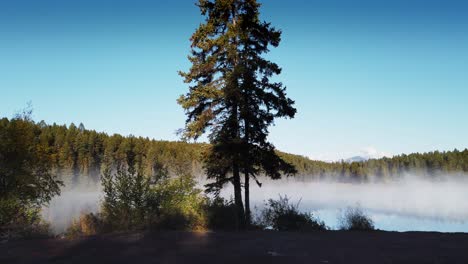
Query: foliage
x,y
430,164
221,214
82,155
282,215
181,204
86,225
23,220
133,201
25,179
233,97
354,219
125,198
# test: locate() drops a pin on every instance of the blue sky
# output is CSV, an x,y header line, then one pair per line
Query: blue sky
x,y
375,77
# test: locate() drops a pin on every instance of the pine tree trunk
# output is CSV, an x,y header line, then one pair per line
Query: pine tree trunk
x,y
236,170
236,134
238,197
248,214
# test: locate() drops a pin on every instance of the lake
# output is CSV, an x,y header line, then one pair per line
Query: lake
x,y
409,204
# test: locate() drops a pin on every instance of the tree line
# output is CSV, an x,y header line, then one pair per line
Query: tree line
x,y
233,97
429,164
38,159
79,155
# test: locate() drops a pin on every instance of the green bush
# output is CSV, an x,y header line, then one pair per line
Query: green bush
x,y
133,201
221,214
21,220
354,219
26,183
126,195
179,204
281,215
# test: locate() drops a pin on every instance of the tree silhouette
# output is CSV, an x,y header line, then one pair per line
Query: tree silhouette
x,y
232,97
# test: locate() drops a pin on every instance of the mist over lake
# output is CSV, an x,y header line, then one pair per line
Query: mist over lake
x,y
411,203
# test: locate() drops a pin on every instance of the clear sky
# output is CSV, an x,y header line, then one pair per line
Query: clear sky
x,y
376,77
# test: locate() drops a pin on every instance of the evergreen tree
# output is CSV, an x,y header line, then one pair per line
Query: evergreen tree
x,y
231,95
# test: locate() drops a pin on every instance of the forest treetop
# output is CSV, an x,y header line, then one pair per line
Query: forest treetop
x,y
75,150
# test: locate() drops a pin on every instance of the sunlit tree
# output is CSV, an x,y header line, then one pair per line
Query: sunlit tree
x,y
232,96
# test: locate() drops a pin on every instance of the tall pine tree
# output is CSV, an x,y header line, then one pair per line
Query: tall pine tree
x,y
232,97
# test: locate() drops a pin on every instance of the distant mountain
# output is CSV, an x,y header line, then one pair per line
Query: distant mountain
x,y
356,159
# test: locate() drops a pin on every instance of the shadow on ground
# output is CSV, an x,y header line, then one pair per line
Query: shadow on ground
x,y
244,247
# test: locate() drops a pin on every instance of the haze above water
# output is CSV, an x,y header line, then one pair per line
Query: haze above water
x,y
409,204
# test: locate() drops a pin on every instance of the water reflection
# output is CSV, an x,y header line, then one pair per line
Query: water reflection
x,y
410,204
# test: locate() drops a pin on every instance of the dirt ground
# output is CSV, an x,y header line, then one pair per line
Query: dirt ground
x,y
244,247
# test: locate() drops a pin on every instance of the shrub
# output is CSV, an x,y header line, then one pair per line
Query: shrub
x,y
86,225
125,198
221,214
355,219
281,215
133,201
21,220
178,204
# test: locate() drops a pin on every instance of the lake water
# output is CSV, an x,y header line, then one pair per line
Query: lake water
x,y
410,204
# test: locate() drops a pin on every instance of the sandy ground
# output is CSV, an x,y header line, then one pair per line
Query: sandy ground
x,y
243,247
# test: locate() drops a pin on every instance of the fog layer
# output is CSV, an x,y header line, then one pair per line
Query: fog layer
x,y
410,203
67,207
444,199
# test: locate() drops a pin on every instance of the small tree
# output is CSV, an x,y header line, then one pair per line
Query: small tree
x,y
26,183
125,201
133,201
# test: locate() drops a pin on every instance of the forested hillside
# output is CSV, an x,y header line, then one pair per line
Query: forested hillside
x,y
78,155
430,164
